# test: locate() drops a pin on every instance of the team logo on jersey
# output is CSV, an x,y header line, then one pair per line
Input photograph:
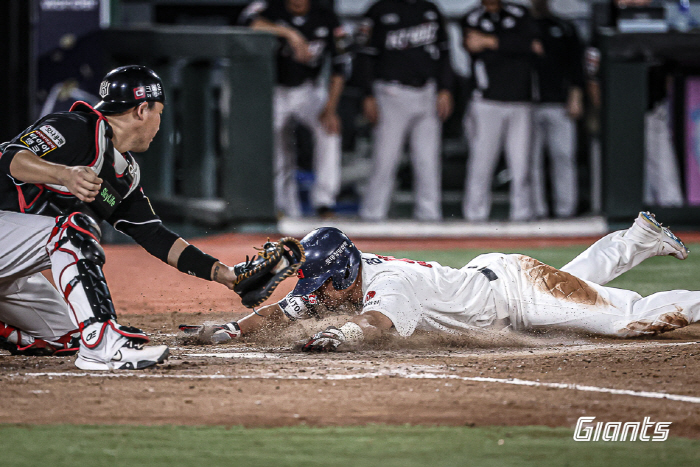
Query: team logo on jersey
x,y
430,15
508,23
298,21
311,299
390,18
321,32
104,89
370,295
43,140
415,36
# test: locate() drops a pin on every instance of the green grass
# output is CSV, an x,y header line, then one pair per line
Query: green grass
x,y
653,275
373,445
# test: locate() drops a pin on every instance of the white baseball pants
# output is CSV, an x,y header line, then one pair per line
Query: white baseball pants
x,y
28,301
553,128
491,125
304,103
662,185
405,111
574,298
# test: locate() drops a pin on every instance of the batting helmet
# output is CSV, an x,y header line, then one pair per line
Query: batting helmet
x,y
127,86
329,253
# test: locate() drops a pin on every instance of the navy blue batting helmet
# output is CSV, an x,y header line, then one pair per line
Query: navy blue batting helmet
x,y
329,254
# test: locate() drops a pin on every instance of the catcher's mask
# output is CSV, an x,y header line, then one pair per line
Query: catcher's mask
x,y
128,86
329,254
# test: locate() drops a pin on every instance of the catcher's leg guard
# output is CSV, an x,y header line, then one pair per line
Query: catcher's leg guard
x,y
77,259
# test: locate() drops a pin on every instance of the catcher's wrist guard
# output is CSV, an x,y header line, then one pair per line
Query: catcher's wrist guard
x,y
195,262
260,275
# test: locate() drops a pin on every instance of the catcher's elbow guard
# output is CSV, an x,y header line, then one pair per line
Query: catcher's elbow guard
x,y
353,333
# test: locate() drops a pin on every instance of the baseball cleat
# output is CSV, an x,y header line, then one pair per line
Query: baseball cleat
x,y
131,356
671,244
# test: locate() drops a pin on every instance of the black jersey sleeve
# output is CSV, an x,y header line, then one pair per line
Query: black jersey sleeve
x,y
136,218
339,44
445,78
575,70
63,138
369,41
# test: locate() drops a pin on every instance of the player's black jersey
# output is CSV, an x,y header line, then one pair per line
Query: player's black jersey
x,y
82,137
504,74
320,27
405,42
561,66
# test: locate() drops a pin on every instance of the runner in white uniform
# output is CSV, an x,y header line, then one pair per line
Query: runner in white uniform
x,y
492,291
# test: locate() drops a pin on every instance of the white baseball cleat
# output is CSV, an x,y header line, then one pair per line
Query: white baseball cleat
x,y
671,244
131,356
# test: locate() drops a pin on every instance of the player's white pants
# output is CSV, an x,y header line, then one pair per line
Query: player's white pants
x,y
553,128
405,111
28,301
491,126
538,295
304,103
662,184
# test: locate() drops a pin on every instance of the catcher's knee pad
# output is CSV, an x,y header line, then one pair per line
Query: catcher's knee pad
x,y
77,260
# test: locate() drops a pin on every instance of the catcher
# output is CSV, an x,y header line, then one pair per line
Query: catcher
x,y
492,291
61,177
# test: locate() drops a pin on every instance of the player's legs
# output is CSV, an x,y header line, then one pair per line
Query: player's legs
x,y
484,124
286,189
561,142
661,176
620,251
517,148
388,142
425,142
540,128
542,296
33,316
76,264
327,150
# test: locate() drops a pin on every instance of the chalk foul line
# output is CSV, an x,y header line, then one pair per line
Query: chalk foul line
x,y
391,374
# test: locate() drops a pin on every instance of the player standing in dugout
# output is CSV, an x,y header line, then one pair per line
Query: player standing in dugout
x,y
308,35
59,179
501,39
404,66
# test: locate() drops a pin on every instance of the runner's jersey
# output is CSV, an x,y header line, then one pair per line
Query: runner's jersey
x,y
415,295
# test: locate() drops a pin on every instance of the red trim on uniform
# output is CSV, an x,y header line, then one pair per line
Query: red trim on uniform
x,y
101,117
128,334
70,222
99,339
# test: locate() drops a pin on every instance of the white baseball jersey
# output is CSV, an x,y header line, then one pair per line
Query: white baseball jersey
x,y
418,295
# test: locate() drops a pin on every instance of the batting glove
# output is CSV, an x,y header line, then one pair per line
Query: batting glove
x,y
325,341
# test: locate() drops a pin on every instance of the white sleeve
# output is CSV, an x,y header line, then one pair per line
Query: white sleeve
x,y
393,296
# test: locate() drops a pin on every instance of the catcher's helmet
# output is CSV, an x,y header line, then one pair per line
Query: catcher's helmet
x,y
329,253
127,86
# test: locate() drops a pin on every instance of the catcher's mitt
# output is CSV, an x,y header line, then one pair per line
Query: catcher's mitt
x,y
260,275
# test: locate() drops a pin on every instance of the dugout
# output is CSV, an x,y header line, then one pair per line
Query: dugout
x,y
626,59
211,162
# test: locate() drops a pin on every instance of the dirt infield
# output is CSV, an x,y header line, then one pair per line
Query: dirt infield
x,y
478,379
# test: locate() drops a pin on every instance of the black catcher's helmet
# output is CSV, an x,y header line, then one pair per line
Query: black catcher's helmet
x,y
127,86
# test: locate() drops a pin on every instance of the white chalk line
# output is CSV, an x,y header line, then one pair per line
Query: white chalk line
x,y
391,374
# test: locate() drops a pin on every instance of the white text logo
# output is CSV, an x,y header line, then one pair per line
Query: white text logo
x,y
617,431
